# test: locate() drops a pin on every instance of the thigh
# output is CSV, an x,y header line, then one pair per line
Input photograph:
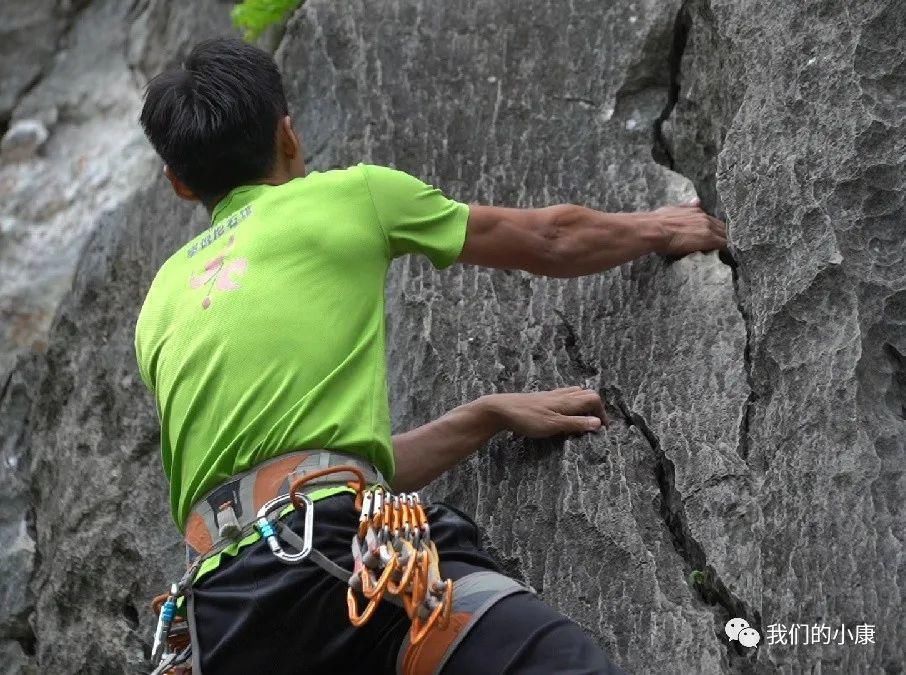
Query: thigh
x,y
521,634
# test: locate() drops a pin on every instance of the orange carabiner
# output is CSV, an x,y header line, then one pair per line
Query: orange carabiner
x,y
444,607
406,516
416,595
397,516
420,589
397,589
377,591
434,558
448,605
421,519
387,515
352,607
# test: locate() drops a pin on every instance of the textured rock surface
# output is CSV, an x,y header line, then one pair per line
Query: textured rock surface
x,y
759,405
66,505
105,537
29,32
86,92
94,158
811,175
769,404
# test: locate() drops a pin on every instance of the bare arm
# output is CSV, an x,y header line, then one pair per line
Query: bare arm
x,y
571,241
426,452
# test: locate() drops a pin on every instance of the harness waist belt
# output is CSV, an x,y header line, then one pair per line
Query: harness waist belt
x,y
227,513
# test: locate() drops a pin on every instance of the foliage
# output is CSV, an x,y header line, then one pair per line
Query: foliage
x,y
707,585
254,16
697,578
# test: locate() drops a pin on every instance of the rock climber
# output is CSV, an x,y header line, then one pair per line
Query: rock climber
x,y
263,342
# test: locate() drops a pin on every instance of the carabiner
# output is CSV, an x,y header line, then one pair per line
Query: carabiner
x,y
377,510
442,609
164,621
421,518
379,587
365,514
352,608
411,559
267,530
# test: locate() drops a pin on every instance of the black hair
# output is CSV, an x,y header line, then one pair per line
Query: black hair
x,y
214,120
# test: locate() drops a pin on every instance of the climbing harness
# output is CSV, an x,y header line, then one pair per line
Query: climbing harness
x,y
395,559
244,508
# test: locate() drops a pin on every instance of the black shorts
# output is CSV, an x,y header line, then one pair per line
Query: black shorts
x,y
255,614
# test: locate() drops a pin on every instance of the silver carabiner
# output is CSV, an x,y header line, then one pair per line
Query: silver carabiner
x,y
365,514
378,500
267,530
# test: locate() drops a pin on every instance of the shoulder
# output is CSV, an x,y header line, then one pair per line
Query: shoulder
x,y
350,177
375,174
358,175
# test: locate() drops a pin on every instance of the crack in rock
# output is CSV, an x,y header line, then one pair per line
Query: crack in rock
x,y
714,592
661,151
664,154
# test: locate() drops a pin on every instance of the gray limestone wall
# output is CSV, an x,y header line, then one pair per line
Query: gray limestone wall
x,y
758,396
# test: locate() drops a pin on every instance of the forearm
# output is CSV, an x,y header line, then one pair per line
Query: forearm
x,y
424,453
584,241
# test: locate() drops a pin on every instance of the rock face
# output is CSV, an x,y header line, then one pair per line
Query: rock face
x,y
79,76
87,64
759,398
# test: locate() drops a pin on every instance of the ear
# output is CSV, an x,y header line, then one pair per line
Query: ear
x,y
290,145
182,190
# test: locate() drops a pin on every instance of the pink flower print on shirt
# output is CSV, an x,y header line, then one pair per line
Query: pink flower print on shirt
x,y
219,273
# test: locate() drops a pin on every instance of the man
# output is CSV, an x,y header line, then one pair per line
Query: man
x,y
263,342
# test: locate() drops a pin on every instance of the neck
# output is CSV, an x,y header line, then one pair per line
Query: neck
x,y
277,178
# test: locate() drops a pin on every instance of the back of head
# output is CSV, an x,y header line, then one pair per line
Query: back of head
x,y
214,120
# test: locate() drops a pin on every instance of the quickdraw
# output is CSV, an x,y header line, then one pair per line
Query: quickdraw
x,y
172,649
393,556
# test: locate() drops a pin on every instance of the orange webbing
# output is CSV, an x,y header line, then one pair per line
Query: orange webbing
x,y
296,485
424,657
158,601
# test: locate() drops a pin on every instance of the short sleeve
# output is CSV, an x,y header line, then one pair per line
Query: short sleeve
x,y
416,217
143,371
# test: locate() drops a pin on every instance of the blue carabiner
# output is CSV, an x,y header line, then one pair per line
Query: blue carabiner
x,y
164,621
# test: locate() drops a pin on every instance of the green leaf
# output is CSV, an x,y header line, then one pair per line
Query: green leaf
x,y
697,578
253,17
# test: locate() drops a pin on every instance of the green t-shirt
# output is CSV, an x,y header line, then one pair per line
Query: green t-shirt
x,y
265,333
